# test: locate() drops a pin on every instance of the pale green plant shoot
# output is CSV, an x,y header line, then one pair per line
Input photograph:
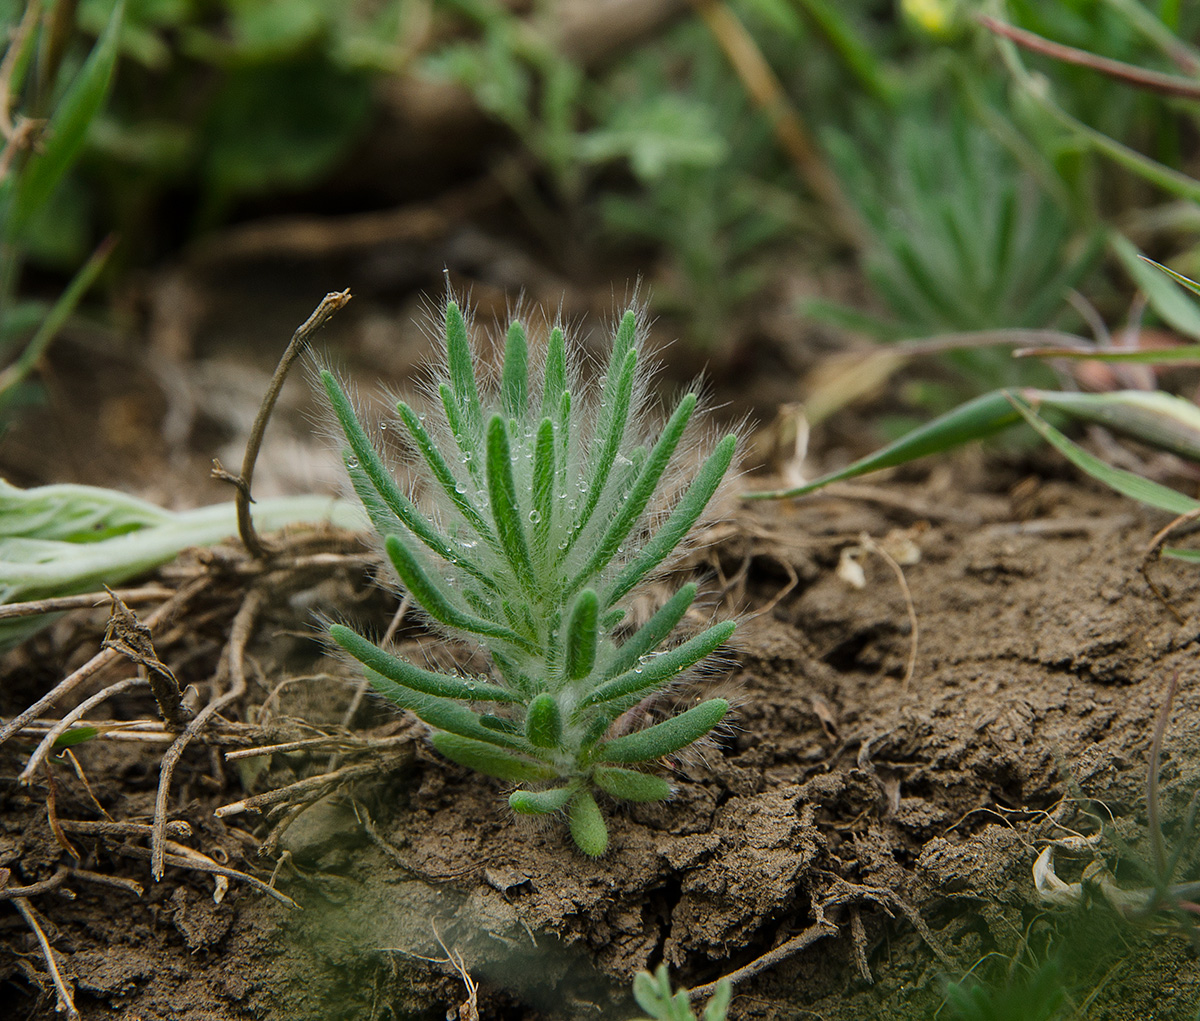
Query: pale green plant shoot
x,y
550,502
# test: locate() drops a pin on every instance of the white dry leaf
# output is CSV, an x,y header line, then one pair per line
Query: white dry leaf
x,y
850,568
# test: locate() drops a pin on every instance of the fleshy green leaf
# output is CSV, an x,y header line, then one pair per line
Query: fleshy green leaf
x,y
425,681
666,737
653,633
587,825
506,511
630,784
487,758
555,382
656,671
514,383
681,520
543,722
438,605
540,802
582,635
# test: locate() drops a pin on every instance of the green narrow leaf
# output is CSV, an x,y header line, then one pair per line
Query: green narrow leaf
x,y
488,759
425,681
666,737
680,521
540,802
444,714
984,416
555,382
587,825
643,488
564,440
614,420
514,381
1179,278
582,635
650,635
65,133
36,346
74,736
1125,482
442,472
1163,294
543,488
657,670
543,722
506,511
462,377
1160,419
436,604
375,470
630,784
458,425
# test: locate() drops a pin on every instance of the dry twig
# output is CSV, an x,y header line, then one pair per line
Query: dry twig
x,y
235,667
330,304
66,1000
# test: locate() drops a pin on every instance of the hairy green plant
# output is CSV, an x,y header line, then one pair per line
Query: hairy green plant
x,y
549,504
654,996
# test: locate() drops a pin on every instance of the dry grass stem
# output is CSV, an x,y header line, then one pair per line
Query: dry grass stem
x,y
66,1000
235,667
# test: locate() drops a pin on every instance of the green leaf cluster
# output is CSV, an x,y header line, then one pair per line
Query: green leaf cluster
x,y
550,503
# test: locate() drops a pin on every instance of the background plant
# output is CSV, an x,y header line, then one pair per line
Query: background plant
x,y
550,504
654,996
47,108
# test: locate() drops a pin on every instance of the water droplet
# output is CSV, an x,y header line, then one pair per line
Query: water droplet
x,y
421,417
470,685
466,457
383,426
534,516
562,545
458,439
637,669
352,463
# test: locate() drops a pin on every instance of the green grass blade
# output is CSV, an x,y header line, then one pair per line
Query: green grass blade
x,y
434,602
984,416
506,511
666,737
1125,482
426,682
582,635
650,635
635,501
65,133
62,308
1160,419
514,381
1163,294
555,382
1179,278
657,671
486,758
680,522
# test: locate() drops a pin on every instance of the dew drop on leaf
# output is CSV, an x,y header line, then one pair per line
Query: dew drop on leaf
x,y
534,516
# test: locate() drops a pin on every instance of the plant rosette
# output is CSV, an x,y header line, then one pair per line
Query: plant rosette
x,y
548,504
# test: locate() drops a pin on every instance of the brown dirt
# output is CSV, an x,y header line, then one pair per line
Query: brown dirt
x,y
908,816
